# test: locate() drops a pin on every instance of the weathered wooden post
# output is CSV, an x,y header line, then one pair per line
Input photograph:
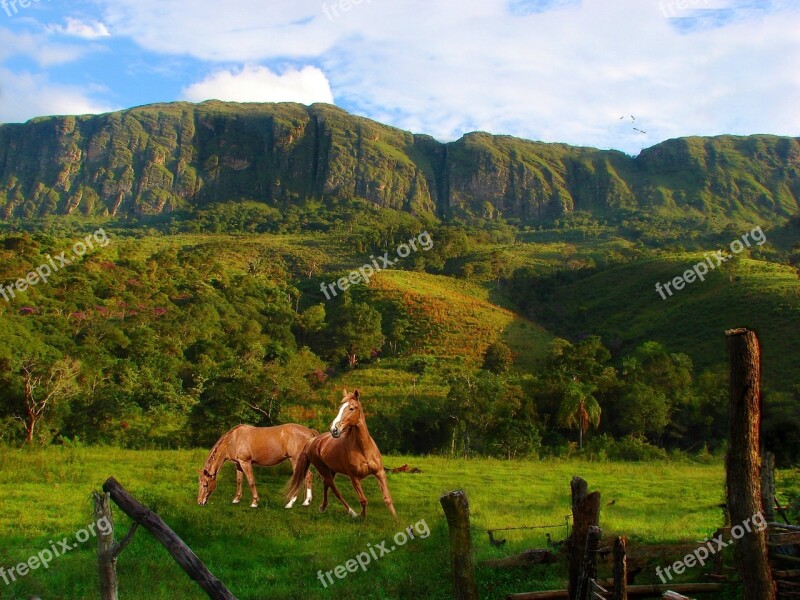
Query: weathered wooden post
x,y
585,514
107,549
742,462
621,568
768,485
106,561
456,509
589,565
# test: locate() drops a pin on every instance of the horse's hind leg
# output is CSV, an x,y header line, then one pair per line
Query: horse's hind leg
x,y
248,471
239,476
291,502
361,497
309,478
341,499
328,477
387,498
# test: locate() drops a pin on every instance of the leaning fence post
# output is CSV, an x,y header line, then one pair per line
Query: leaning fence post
x,y
742,463
456,509
179,551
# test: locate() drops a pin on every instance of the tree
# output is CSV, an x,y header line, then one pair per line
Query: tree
x,y
44,386
579,408
645,411
498,358
355,331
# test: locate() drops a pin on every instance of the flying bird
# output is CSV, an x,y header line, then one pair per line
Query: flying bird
x,y
639,130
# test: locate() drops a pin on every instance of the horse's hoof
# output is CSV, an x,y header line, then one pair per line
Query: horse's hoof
x,y
354,514
290,505
235,501
254,505
323,508
306,504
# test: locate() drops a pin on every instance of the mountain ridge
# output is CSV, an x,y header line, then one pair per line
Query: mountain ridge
x,y
161,158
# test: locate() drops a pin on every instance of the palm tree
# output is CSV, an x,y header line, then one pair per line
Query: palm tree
x,y
579,408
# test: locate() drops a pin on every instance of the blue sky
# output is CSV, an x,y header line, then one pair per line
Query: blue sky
x,y
622,74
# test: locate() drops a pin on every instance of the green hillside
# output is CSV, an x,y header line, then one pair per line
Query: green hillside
x,y
622,305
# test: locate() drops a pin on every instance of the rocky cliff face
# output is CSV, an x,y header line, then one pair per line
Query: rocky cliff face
x,y
159,158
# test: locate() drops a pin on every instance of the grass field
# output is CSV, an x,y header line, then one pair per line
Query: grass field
x,y
274,553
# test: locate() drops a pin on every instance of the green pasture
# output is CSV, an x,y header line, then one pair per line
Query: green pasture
x,y
270,552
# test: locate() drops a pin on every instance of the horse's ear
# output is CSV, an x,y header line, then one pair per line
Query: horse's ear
x,y
355,393
344,393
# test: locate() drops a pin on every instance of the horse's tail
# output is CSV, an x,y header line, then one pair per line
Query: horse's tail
x,y
301,467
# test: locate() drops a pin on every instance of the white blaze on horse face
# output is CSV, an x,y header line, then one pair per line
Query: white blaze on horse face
x,y
338,418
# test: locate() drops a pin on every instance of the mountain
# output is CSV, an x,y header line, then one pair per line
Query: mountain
x,y
161,158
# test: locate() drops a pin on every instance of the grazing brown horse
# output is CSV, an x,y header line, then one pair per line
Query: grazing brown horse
x,y
246,446
348,449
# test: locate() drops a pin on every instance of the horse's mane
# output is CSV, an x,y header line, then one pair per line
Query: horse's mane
x,y
218,447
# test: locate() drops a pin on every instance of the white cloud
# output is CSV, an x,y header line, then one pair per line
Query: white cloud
x,y
37,48
24,95
81,29
256,83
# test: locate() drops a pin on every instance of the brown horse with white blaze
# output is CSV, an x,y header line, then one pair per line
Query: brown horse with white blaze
x,y
245,446
347,449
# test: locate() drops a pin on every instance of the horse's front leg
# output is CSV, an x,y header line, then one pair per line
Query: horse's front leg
x,y
239,476
324,506
248,471
362,498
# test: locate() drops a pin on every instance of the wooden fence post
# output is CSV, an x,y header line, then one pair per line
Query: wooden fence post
x,y
742,462
182,554
620,569
106,561
107,549
456,509
589,566
585,514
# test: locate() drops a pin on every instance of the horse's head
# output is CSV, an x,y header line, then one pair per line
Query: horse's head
x,y
206,485
350,414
